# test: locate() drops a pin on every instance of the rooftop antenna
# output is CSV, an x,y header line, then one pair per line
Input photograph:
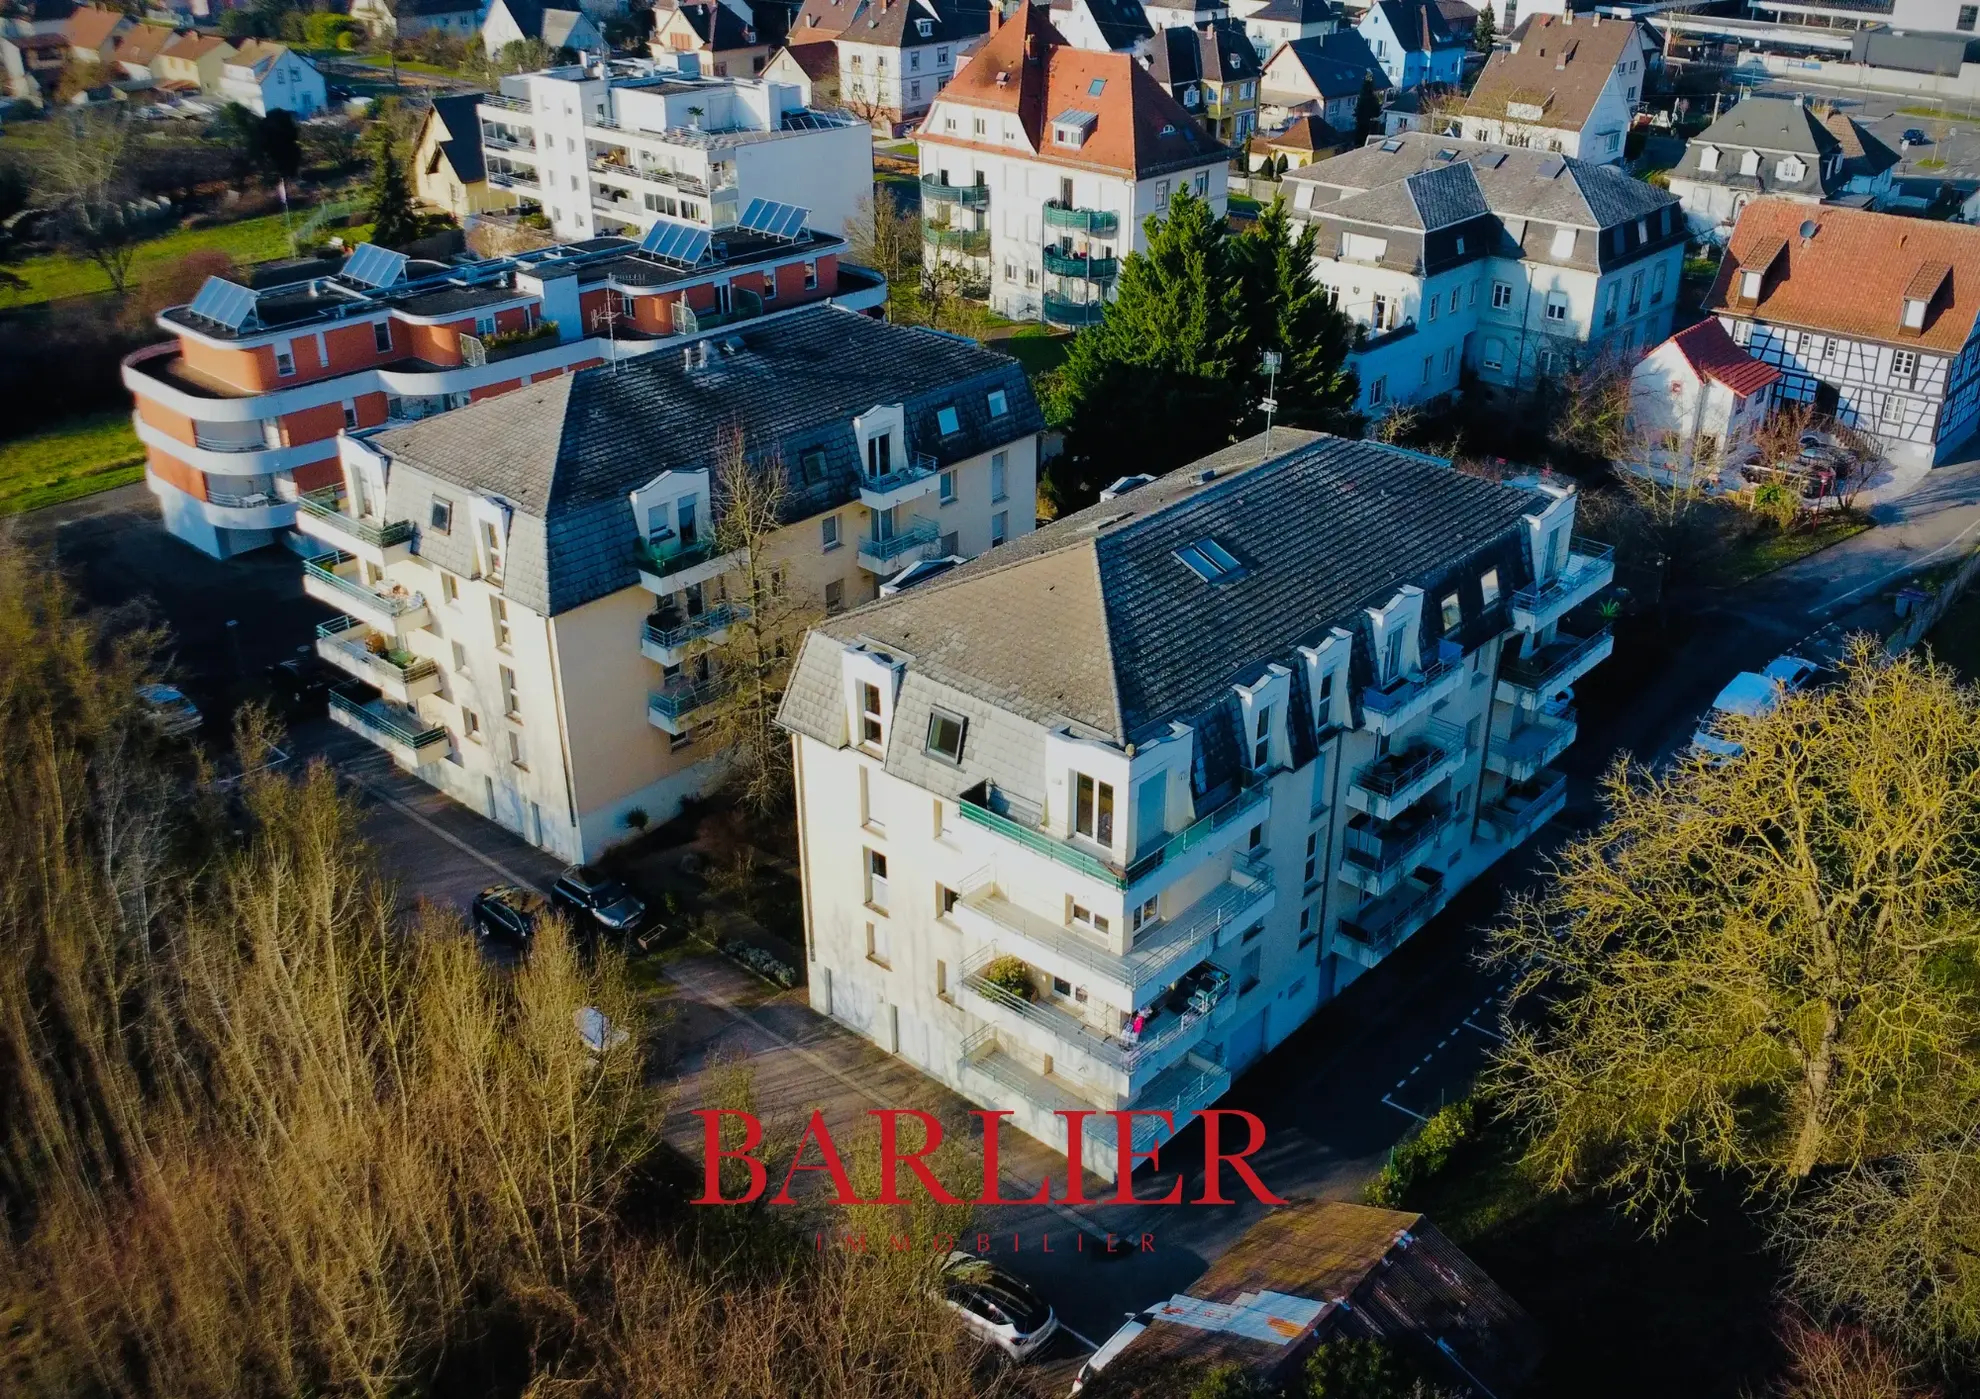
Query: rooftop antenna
x,y
1271,401
608,316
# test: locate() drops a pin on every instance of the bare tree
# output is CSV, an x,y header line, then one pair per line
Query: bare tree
x,y
1844,1362
85,176
885,237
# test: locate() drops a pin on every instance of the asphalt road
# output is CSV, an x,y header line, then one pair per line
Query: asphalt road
x,y
1953,131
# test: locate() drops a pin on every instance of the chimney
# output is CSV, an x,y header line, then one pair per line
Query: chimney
x,y
1031,47
996,18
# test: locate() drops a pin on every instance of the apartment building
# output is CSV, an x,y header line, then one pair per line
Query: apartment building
x,y
531,591
1565,82
623,145
1097,821
896,55
1778,146
240,411
1041,161
1510,264
1870,317
1213,73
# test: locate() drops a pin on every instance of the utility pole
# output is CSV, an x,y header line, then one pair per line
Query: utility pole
x,y
1271,401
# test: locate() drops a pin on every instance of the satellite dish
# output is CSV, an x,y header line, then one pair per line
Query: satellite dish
x,y
1807,229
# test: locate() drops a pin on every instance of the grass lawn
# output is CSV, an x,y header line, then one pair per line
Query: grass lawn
x,y
90,455
1037,349
1750,558
1243,205
1931,163
57,275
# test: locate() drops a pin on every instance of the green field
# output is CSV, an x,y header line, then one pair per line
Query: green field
x,y
55,276
90,455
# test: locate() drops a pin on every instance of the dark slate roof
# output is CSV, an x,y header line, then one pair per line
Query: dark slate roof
x,y
1216,52
899,23
1779,126
1336,63
1446,194
462,148
1295,11
718,26
566,453
1323,530
1122,23
1418,25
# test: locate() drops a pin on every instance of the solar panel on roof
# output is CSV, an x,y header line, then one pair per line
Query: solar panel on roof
x,y
373,266
785,221
224,303
676,242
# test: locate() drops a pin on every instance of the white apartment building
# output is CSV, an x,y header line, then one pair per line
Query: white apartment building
x,y
528,592
1061,856
1508,264
895,57
618,146
1565,82
1872,318
1040,162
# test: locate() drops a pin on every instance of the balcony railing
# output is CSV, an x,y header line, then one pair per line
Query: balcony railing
x,y
254,500
1522,807
513,179
1060,310
601,166
327,504
1586,558
1398,770
1092,269
1097,222
1383,923
683,696
1412,689
984,1052
506,103
1159,1033
743,306
1379,847
1193,1084
403,664
1522,753
385,719
919,468
968,196
971,242
713,619
670,556
257,443
500,141
918,535
1555,667
323,568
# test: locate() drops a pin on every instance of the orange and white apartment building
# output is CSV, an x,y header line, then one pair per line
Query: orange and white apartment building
x,y
241,410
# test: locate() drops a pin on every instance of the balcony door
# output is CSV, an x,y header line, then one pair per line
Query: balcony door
x,y
879,455
1151,813
883,525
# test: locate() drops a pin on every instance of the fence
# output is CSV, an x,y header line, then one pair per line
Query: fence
x,y
1926,614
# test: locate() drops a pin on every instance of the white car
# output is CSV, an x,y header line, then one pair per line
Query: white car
x,y
1749,695
996,1307
1111,1351
167,710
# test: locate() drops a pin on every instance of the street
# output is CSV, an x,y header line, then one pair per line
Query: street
x,y
1953,151
1334,1098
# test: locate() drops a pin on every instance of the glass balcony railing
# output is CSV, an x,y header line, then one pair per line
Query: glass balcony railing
x,y
1402,768
1075,315
327,504
1093,269
972,242
918,535
1524,806
1554,667
1097,222
1434,674
1587,560
351,635
1388,920
384,719
673,632
968,196
743,306
683,696
669,555
394,601
1378,847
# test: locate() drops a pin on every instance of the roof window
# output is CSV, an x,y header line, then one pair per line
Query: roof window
x,y
1210,561
1000,403
1096,87
947,421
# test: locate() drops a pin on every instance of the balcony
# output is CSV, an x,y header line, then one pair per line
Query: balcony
x,y
743,306
1097,222
506,103
1519,756
624,210
396,728
1377,928
673,706
668,637
320,514
970,242
1524,807
1390,708
1590,568
1091,269
1399,779
370,656
1376,854
513,179
994,1074
666,565
919,477
1531,680
506,141
1182,1091
967,196
1074,315
334,579
899,549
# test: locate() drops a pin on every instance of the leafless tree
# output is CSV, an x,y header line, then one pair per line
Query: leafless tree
x,y
84,175
885,237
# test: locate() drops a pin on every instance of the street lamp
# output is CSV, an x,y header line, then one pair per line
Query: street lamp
x,y
1271,402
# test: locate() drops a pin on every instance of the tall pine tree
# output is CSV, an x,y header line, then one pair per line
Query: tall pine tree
x,y
388,200
1290,312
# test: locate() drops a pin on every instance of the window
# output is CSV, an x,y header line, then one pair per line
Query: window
x,y
876,880
1708,159
835,597
998,461
1378,316
828,529
1557,306
946,900
1430,311
518,754
942,56
470,724
1429,369
1488,585
441,518
1084,917
1893,410
1312,857
1096,87
869,713
484,325
1749,162
1453,613
1323,703
1501,295
460,656
450,589
1257,840
1657,283
1261,737
381,335
945,736
999,403
770,286
1143,914
810,276
946,490
1967,15
285,361
1378,391
1320,793
1904,365
1563,242
1248,971
511,701
1493,356
999,528
879,946
1306,920
498,611
491,549
350,417
947,421
812,464
1093,808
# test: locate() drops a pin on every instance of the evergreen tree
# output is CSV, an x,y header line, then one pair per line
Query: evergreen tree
x,y
1367,110
1487,32
1292,313
388,200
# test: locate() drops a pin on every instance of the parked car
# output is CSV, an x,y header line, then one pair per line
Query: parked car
x,y
996,1307
507,914
300,686
166,710
597,903
1809,476
1749,695
1111,1350
1914,137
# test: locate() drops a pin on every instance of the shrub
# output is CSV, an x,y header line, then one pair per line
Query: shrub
x,y
764,964
637,819
1424,1152
504,339
1010,974
1777,503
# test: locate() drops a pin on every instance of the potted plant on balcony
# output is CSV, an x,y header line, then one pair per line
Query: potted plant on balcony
x,y
1011,976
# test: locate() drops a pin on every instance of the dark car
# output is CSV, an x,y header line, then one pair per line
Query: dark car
x,y
507,914
1914,137
595,902
300,686
1811,480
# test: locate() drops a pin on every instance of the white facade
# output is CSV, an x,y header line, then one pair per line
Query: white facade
x,y
499,29
1712,207
1601,132
1685,418
1082,29
898,84
283,82
1267,31
601,154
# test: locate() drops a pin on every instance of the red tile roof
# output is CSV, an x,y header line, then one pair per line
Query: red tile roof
x,y
1711,352
1850,278
91,28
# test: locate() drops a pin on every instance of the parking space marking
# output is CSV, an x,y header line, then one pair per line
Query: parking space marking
x,y
1493,1034
1401,1109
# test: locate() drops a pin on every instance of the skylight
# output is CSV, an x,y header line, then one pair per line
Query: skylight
x,y
1096,87
1210,561
946,419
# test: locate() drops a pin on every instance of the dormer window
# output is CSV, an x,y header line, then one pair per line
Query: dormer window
x,y
1093,809
1563,242
870,731
491,550
1708,159
1261,739
925,28
1749,162
1749,285
1072,127
1791,170
1914,313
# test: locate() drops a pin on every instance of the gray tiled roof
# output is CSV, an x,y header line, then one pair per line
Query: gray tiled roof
x,y
566,453
1445,195
1779,126
1094,620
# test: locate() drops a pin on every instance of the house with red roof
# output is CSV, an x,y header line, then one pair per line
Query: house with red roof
x,y
1698,400
1041,161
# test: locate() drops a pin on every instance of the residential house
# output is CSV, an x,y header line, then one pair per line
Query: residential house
x,y
383,19
32,65
1274,23
569,31
1317,1272
239,412
726,43
1434,107
1184,14
1105,26
1698,400
1213,73
1319,77
137,49
1869,317
1041,161
1306,140
811,68
192,62
448,171
1461,19
265,77
547,570
1506,263
1096,822
1567,83
1413,43
93,33
1778,146
641,144
896,55
1506,14
25,17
